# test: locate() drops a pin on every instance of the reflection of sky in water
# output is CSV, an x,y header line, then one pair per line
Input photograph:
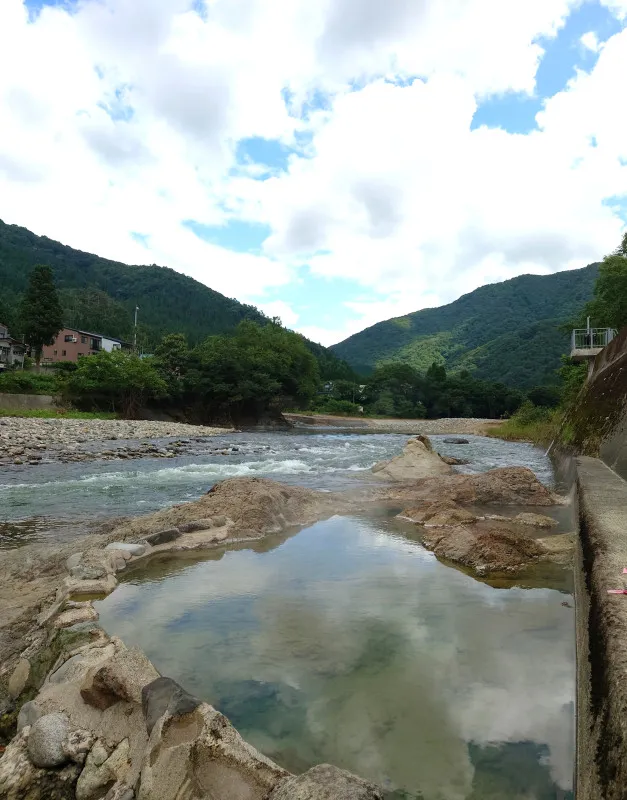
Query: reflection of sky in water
x,y
351,644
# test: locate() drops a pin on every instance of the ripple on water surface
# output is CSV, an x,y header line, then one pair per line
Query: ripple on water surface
x,y
351,644
54,496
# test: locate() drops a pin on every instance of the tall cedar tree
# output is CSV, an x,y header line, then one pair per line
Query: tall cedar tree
x,y
42,315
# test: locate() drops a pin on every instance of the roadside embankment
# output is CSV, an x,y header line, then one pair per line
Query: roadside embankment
x,y
427,427
601,633
26,402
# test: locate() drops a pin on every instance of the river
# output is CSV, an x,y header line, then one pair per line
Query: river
x,y
56,502
346,642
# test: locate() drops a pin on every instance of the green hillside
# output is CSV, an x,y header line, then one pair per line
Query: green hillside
x,y
504,331
101,295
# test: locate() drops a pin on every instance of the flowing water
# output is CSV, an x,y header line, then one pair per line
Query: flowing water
x,y
57,501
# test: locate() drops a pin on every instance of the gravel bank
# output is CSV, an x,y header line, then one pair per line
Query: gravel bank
x,y
30,441
428,427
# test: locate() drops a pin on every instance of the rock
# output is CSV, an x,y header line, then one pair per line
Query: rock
x,y
19,678
326,782
162,537
454,462
95,563
165,695
21,780
73,561
29,714
536,520
201,749
96,778
456,441
73,616
559,549
121,678
503,486
416,461
76,586
47,739
487,547
439,514
128,547
197,525
220,521
78,744
120,791
77,666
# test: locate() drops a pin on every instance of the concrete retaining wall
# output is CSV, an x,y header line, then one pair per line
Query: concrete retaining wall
x,y
601,634
25,402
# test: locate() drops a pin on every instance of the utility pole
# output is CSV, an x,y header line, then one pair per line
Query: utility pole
x,y
135,331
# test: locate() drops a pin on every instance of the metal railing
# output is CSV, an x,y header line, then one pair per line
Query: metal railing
x,y
591,338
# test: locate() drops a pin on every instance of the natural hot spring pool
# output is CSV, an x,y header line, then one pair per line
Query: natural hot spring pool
x,y
349,643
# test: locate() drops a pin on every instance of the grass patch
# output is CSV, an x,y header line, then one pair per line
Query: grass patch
x,y
529,424
56,413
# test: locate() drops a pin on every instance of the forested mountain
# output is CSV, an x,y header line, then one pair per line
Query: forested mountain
x,y
100,295
505,332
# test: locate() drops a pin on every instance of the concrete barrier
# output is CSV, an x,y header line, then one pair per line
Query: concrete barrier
x,y
25,402
601,772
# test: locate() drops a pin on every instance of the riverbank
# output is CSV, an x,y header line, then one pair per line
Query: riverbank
x,y
427,427
33,440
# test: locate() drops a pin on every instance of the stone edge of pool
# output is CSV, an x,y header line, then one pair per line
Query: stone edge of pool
x,y
601,620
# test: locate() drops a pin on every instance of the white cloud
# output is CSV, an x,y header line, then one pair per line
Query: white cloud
x,y
590,41
122,118
281,309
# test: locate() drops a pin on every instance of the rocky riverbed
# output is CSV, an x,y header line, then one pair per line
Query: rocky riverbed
x,y
33,441
95,722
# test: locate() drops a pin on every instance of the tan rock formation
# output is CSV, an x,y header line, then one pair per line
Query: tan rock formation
x,y
418,460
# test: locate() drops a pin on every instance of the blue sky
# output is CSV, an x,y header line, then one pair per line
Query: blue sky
x,y
333,169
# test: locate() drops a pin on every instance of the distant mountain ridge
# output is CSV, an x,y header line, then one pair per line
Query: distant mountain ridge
x,y
100,295
502,331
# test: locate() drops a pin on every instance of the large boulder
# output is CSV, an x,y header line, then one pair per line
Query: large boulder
x,y
418,460
487,547
46,741
120,678
20,779
202,751
439,514
326,782
504,486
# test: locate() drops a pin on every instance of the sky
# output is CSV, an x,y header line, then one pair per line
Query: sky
x,y
336,162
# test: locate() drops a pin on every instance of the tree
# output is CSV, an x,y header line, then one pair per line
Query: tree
x,y
41,312
608,308
261,369
172,357
118,381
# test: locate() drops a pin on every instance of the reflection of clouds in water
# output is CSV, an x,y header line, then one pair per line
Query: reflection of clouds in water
x,y
400,661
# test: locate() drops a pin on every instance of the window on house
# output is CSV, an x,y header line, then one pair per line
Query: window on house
x,y
55,352
69,337
83,340
63,352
